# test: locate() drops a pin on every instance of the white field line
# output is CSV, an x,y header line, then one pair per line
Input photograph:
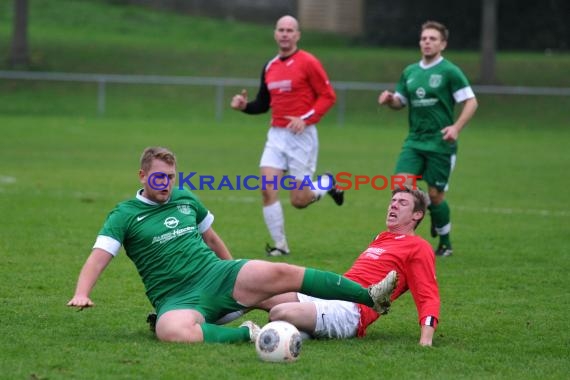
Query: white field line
x,y
481,210
512,211
4,179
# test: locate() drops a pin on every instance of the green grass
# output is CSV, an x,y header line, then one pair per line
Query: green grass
x,y
504,307
505,295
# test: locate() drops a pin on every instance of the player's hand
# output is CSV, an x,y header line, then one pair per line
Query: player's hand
x,y
296,124
239,101
425,343
80,302
385,97
450,133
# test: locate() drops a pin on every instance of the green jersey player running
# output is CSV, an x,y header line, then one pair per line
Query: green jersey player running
x,y
431,88
188,273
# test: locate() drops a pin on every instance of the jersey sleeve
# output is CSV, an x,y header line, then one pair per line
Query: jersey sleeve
x,y
112,234
326,96
206,223
460,87
401,89
262,101
422,283
203,216
107,244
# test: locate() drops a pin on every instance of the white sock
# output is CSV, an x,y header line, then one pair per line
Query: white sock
x,y
321,185
275,222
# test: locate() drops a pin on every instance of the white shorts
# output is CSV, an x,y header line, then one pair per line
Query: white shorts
x,y
296,154
335,319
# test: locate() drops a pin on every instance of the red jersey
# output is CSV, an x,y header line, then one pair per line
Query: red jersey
x,y
298,86
412,257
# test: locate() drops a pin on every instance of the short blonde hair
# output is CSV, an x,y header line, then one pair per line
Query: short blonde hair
x,y
156,153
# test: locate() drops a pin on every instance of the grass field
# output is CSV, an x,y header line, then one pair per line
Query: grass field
x,y
505,293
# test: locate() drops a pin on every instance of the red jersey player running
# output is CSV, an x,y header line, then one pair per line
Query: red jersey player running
x,y
397,249
296,88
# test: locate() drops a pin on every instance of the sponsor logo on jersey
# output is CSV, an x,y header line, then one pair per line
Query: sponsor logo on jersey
x,y
374,253
185,209
420,92
139,218
172,235
171,222
281,85
435,80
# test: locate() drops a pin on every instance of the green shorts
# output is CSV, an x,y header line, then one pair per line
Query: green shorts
x,y
209,293
435,168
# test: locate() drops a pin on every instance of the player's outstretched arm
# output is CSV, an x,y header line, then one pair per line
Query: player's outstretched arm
x,y
92,269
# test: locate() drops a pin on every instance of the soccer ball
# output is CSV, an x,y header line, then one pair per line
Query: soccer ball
x,y
278,341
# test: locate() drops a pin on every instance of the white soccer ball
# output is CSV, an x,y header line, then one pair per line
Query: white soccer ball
x,y
278,341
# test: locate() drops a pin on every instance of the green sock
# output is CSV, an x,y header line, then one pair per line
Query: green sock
x,y
441,217
220,334
332,286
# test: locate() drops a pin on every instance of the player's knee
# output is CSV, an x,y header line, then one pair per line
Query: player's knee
x,y
284,277
279,313
301,200
436,196
298,203
269,197
169,332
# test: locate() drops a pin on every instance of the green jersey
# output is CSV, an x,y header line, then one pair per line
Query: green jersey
x,y
431,92
164,241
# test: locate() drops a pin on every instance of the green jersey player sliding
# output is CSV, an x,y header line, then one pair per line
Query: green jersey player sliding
x,y
188,273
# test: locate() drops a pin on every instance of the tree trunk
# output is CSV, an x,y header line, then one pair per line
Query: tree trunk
x,y
19,56
488,41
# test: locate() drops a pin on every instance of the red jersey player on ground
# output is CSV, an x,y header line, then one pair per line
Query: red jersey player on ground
x,y
397,249
296,88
